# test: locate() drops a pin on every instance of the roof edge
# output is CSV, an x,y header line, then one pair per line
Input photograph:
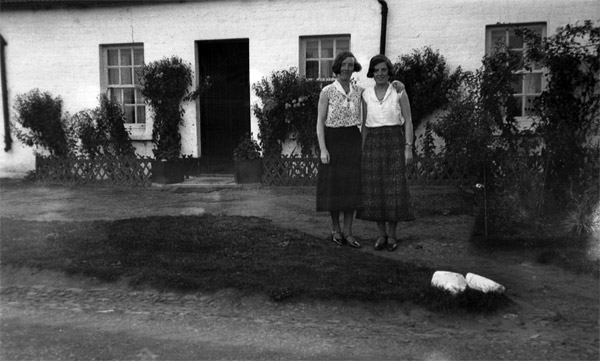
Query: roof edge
x,y
53,4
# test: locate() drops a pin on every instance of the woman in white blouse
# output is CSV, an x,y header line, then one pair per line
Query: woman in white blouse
x,y
387,135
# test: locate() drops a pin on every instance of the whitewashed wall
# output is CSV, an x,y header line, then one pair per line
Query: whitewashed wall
x,y
58,50
457,27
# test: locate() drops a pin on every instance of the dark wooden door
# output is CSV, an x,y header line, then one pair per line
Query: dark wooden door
x,y
225,107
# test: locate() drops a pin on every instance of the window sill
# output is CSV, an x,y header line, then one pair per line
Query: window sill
x,y
524,123
139,132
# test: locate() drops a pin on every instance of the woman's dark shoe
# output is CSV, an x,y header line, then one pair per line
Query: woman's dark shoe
x,y
352,242
337,238
381,243
392,244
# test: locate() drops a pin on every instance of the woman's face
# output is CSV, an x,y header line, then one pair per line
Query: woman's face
x,y
381,73
347,69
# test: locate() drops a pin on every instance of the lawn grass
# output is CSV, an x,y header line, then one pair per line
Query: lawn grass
x,y
208,253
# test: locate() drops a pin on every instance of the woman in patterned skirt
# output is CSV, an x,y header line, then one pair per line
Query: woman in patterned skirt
x,y
387,134
338,121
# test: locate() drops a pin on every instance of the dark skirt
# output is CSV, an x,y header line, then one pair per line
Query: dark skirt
x,y
385,194
338,183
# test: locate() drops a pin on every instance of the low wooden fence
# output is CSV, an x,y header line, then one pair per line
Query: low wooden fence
x,y
277,171
290,171
126,171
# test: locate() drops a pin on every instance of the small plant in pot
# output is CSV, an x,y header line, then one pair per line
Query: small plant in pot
x,y
247,160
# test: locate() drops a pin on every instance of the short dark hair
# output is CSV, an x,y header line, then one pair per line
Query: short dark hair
x,y
337,62
378,59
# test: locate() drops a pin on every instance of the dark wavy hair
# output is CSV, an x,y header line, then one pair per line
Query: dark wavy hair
x,y
378,59
337,62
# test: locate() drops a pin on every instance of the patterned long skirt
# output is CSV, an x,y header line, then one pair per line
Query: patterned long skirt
x,y
385,195
339,182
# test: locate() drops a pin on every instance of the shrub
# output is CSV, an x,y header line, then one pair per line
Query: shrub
x,y
289,108
583,209
102,131
427,80
480,126
40,118
567,112
165,84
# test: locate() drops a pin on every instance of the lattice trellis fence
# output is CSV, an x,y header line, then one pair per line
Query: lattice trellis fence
x,y
290,171
128,171
438,171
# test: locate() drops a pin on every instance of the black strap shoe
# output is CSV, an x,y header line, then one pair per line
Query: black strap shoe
x,y
381,243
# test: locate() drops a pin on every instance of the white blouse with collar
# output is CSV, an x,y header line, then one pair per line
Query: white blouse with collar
x,y
385,112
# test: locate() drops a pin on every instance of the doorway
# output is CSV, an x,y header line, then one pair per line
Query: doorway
x,y
225,107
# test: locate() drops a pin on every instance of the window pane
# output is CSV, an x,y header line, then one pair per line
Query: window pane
x,y
115,95
113,76
498,39
342,45
519,56
519,106
312,69
533,83
125,56
537,30
327,48
499,36
126,77
141,114
517,85
514,41
129,114
128,96
138,56
529,105
113,57
326,71
139,98
312,49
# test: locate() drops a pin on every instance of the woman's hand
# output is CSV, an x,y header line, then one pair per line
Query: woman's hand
x,y
408,156
325,156
398,85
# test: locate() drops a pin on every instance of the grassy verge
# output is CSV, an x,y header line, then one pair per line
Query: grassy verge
x,y
208,253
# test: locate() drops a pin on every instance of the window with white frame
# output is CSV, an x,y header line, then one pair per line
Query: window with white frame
x,y
119,80
318,52
531,82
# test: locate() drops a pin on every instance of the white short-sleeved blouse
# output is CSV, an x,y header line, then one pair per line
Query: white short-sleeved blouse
x,y
385,112
344,109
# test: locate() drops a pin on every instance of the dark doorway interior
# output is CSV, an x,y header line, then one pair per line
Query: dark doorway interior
x,y
225,107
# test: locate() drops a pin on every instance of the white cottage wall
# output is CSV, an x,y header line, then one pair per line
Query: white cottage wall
x,y
457,27
57,50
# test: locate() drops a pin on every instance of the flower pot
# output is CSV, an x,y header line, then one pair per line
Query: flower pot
x,y
167,171
248,170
